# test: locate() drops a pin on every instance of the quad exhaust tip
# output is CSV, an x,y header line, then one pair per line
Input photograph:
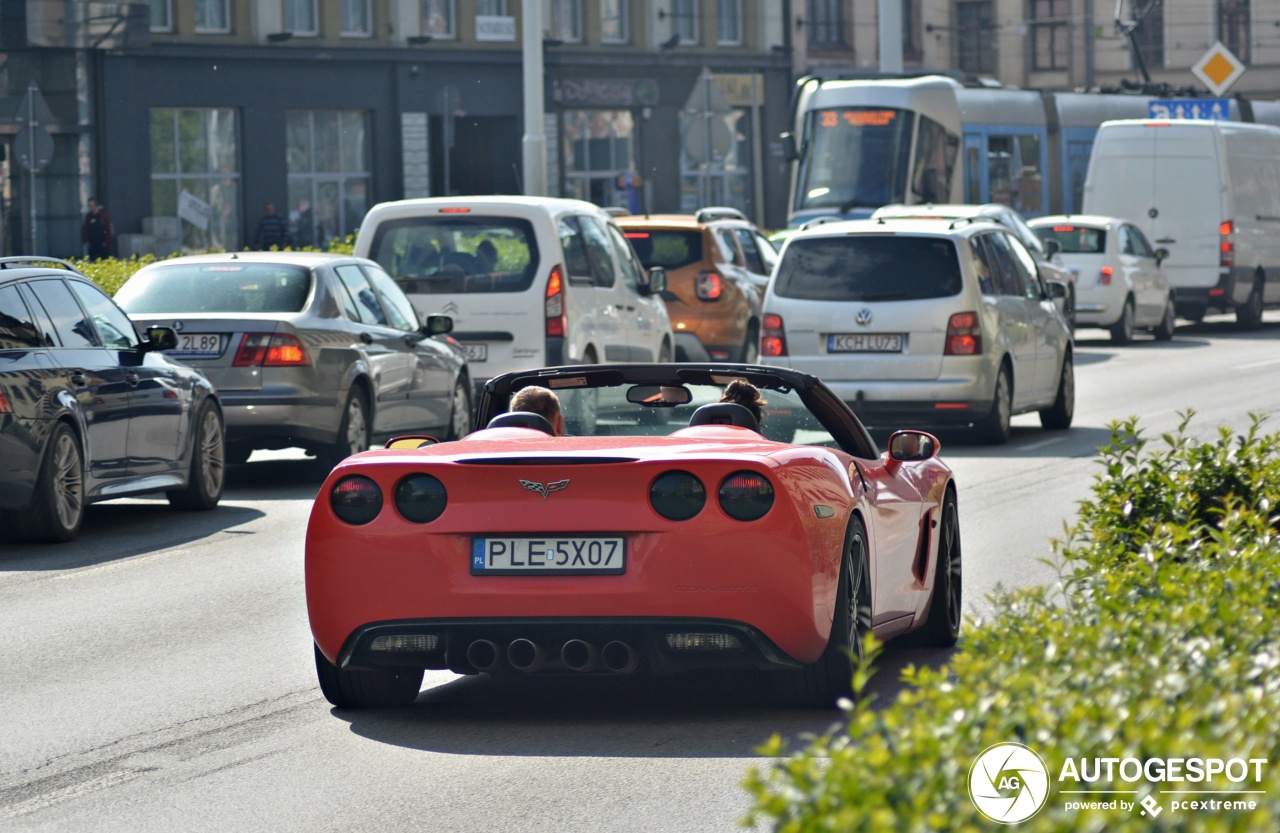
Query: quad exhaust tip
x,y
526,656
483,655
578,655
619,657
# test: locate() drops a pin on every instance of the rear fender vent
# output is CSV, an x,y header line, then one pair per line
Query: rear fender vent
x,y
545,461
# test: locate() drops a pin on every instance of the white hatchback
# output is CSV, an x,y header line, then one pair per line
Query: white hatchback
x,y
1120,284
529,281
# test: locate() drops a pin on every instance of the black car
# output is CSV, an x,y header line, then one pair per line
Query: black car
x,y
89,411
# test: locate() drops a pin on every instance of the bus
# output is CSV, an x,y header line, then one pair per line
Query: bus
x,y
861,144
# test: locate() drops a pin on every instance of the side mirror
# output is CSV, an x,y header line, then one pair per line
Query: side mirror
x,y
1052,246
437,325
411,441
912,446
790,151
160,338
1162,254
657,280
1056,290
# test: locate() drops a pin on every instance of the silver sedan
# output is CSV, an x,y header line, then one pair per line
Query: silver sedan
x,y
310,350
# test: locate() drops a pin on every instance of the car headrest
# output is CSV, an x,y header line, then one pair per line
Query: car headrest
x,y
523,419
725,413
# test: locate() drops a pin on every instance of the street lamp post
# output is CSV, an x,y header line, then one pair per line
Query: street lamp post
x,y
534,144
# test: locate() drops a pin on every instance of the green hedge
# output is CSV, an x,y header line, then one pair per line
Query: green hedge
x,y
1162,642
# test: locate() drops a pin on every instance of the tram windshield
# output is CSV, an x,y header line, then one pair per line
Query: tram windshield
x,y
858,157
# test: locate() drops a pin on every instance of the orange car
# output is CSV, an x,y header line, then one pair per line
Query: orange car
x,y
717,265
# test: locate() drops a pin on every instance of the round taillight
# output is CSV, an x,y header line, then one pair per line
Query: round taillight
x,y
677,495
746,496
356,499
421,498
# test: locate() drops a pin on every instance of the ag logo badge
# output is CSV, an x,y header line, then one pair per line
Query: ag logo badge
x,y
1008,783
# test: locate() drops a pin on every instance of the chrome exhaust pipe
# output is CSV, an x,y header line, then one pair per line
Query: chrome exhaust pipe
x,y
526,656
619,657
483,655
578,655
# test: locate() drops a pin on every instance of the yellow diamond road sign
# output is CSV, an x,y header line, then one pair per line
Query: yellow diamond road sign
x,y
1218,69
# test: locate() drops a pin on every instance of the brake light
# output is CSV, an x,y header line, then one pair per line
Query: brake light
x,y
556,324
5,407
773,340
455,210
964,335
1227,246
267,350
1104,276
636,235
709,285
1064,228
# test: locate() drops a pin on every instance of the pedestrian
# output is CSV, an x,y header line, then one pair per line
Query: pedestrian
x,y
272,230
97,232
304,224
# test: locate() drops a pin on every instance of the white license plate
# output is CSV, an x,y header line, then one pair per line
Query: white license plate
x,y
476,352
198,344
548,555
864,343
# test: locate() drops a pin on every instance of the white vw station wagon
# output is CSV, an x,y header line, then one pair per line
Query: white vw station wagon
x,y
922,323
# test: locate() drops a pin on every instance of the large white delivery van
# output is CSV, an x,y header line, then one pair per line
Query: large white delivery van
x,y
1209,193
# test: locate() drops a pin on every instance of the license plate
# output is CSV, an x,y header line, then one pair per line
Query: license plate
x,y
548,555
864,343
198,344
476,352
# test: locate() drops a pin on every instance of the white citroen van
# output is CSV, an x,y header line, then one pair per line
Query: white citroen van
x,y
529,281
1209,193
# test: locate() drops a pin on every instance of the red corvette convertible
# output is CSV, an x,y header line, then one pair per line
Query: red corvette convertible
x,y
666,531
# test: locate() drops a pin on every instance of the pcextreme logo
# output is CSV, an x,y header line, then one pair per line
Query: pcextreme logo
x,y
1008,783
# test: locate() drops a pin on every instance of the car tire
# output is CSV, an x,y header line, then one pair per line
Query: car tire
x,y
994,428
460,412
353,431
751,346
57,506
1122,330
208,463
822,684
1165,329
1070,312
664,353
942,628
1058,416
1249,315
366,689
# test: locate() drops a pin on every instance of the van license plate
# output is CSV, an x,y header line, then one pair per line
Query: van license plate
x,y
476,352
563,555
197,344
864,343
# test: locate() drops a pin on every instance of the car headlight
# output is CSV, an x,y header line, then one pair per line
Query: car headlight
x,y
677,495
356,499
421,498
746,495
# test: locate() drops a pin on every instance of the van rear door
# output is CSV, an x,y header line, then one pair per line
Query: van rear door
x,y
1188,204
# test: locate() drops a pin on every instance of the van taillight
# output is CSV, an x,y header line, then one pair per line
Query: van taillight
x,y
964,335
5,407
773,341
709,285
1227,247
556,325
267,350
1104,276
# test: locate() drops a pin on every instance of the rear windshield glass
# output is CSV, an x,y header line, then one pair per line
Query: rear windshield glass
x,y
217,287
668,249
1076,240
868,268
457,253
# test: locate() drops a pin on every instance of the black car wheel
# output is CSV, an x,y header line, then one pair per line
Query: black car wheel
x,y
460,414
1164,330
366,689
1058,417
208,464
1122,330
751,346
57,507
994,428
353,432
942,628
1249,315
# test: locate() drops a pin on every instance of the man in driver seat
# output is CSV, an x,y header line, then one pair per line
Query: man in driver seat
x,y
541,401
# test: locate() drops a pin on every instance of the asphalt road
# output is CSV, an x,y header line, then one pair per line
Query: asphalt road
x,y
156,675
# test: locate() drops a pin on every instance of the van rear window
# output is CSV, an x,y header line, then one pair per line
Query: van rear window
x,y
457,253
668,249
1076,240
867,267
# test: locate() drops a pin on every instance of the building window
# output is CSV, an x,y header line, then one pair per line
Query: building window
x,y
1233,27
684,20
196,153
599,147
975,37
438,18
824,25
300,17
328,161
161,16
213,16
491,8
912,32
564,20
729,22
1149,35
613,21
357,18
1049,34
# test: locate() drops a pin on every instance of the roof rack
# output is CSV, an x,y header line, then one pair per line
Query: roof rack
x,y
818,221
719,212
616,211
31,260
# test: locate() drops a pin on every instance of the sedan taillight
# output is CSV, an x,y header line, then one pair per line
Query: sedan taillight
x,y
964,335
267,350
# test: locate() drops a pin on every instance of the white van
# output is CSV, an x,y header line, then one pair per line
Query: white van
x,y
1209,193
529,281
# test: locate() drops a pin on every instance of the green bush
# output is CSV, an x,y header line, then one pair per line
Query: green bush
x,y
1163,642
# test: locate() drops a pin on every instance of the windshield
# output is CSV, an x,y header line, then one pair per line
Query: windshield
x,y
856,157
866,267
457,253
216,287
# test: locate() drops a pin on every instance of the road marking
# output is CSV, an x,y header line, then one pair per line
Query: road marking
x,y
1252,365
1042,443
